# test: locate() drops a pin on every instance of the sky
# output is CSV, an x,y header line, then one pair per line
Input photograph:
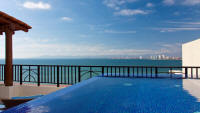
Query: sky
x,y
102,28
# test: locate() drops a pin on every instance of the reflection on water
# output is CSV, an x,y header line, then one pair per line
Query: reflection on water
x,y
38,109
128,84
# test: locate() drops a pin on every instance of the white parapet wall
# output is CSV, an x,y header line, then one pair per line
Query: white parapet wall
x,y
191,53
25,90
191,56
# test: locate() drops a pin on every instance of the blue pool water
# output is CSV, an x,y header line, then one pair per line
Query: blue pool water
x,y
116,95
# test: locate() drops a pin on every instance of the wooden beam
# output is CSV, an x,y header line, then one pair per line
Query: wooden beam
x,y
7,27
5,21
14,20
1,32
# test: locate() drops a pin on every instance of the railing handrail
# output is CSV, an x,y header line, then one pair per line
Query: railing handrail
x,y
106,66
71,74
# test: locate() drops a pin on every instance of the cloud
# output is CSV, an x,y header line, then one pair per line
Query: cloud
x,y
52,48
169,2
149,5
191,2
180,26
171,45
182,2
188,23
172,49
115,4
119,32
66,19
131,12
36,5
98,27
176,13
178,29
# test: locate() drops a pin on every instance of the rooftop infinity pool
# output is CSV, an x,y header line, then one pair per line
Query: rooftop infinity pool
x,y
116,95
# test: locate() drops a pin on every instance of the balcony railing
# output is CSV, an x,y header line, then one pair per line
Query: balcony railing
x,y
71,74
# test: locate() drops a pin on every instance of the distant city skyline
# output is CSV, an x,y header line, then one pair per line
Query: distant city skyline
x,y
102,28
155,57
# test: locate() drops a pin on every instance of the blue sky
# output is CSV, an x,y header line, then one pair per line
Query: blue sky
x,y
102,28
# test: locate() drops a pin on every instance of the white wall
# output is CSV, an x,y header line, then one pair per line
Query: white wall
x,y
191,56
17,90
191,53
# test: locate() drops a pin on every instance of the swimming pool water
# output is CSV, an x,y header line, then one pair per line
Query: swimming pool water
x,y
116,95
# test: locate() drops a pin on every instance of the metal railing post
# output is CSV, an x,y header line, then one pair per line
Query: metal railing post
x,y
102,71
90,72
79,74
128,71
156,72
186,72
58,84
38,75
171,72
142,70
21,73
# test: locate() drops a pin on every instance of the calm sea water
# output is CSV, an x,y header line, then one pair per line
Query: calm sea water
x,y
99,62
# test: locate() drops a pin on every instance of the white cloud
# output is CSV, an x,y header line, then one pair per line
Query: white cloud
x,y
43,47
169,2
66,19
174,48
36,5
191,2
115,4
182,2
180,26
178,29
119,32
150,4
171,45
98,27
176,13
188,23
131,12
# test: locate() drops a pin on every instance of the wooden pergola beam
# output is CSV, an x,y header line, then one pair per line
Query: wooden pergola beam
x,y
12,26
9,19
16,26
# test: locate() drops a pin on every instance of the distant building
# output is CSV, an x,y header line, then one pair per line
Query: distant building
x,y
159,57
163,56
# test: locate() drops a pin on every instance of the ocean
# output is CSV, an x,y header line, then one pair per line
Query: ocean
x,y
97,62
